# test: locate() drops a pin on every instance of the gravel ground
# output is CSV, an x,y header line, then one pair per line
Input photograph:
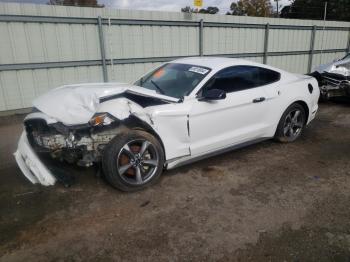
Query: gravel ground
x,y
266,202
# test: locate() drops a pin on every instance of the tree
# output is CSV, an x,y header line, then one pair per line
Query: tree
x,y
210,10
86,3
261,8
188,9
338,10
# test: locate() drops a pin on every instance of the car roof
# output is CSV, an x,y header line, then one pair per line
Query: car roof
x,y
215,63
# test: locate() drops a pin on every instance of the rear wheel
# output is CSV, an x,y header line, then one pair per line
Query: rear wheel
x,y
133,160
291,124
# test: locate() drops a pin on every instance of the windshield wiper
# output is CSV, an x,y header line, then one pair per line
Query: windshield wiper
x,y
158,88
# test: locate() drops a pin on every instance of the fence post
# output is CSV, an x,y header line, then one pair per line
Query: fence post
x,y
201,27
102,48
312,47
349,42
266,43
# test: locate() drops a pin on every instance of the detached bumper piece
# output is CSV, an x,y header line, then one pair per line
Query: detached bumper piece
x,y
31,165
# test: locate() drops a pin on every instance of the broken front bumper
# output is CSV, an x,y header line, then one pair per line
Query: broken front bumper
x,y
31,165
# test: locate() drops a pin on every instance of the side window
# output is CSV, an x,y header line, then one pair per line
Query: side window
x,y
235,78
239,78
267,76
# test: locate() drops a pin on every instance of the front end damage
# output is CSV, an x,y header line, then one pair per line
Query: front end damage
x,y
334,79
77,129
82,145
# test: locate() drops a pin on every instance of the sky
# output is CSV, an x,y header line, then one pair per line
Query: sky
x,y
160,5
168,5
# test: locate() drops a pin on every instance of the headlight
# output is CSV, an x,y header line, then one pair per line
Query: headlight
x,y
101,119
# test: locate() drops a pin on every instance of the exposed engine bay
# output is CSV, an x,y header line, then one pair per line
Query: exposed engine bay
x,y
334,78
81,144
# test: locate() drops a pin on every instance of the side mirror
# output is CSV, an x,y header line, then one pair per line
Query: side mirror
x,y
213,94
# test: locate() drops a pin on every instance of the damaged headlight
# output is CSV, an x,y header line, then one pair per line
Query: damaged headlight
x,y
101,119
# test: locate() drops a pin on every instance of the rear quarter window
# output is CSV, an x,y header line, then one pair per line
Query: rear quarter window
x,y
267,76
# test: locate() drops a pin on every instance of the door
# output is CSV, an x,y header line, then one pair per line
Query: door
x,y
239,118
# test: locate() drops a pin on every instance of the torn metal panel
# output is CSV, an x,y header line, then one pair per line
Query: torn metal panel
x,y
171,125
169,121
122,108
76,104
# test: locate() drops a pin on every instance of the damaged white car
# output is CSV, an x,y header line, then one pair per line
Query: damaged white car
x,y
334,78
180,112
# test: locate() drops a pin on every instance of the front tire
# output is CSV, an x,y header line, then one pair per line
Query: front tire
x,y
291,124
133,160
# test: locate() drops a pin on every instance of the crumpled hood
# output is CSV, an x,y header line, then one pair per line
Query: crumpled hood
x,y
341,67
76,104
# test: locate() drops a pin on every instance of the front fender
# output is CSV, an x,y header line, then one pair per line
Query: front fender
x,y
168,122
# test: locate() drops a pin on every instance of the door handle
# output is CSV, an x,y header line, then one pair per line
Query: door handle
x,y
258,100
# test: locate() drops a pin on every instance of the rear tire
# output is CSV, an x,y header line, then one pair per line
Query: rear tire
x,y
133,160
291,124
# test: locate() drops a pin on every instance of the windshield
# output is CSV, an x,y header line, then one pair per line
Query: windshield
x,y
173,79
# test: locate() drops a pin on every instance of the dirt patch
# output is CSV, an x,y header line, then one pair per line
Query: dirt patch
x,y
213,172
324,236
266,202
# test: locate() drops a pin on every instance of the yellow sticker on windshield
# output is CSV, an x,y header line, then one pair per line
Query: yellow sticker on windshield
x,y
159,73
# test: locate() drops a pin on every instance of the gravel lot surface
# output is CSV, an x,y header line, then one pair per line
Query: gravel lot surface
x,y
266,202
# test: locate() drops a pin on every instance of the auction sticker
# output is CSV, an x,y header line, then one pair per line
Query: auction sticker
x,y
198,70
159,73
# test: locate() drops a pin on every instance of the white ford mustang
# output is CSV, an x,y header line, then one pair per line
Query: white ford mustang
x,y
182,111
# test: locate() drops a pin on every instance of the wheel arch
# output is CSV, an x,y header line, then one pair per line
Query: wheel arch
x,y
305,107
301,103
135,123
280,125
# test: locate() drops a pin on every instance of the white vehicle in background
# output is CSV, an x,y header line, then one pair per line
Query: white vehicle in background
x,y
180,112
334,78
